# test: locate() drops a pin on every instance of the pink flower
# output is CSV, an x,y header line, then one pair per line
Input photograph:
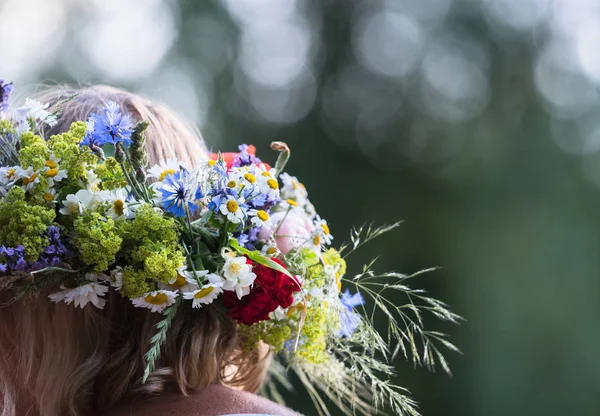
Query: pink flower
x,y
292,229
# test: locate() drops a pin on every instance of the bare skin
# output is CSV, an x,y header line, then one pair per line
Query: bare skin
x,y
215,400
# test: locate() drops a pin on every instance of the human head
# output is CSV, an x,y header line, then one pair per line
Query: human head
x,y
57,360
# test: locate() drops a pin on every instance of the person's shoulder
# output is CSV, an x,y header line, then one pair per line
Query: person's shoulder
x,y
215,400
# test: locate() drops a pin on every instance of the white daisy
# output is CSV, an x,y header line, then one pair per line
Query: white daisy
x,y
116,278
245,176
77,203
156,301
52,170
268,185
50,196
322,229
9,174
30,178
165,168
119,203
238,275
82,295
259,218
289,204
206,295
293,189
186,280
232,208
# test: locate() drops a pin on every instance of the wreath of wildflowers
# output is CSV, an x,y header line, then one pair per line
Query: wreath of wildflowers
x,y
232,231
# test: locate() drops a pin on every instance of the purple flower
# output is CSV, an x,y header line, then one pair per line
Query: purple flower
x,y
349,320
14,258
5,90
111,126
54,253
244,158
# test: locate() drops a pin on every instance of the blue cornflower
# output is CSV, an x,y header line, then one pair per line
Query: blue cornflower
x,y
349,320
5,90
179,190
111,126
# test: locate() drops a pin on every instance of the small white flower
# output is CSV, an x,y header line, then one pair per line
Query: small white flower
x,y
77,203
279,313
119,203
206,295
116,278
232,209
156,301
50,196
322,229
30,178
92,180
165,168
289,204
245,178
186,281
267,184
82,295
293,189
259,218
238,276
9,174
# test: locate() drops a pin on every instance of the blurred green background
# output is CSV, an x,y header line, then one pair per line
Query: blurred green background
x,y
474,121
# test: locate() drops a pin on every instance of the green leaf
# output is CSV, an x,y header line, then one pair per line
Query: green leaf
x,y
259,258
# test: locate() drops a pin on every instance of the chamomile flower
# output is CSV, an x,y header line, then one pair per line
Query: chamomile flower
x,y
268,185
238,275
77,203
82,295
9,174
116,278
293,189
165,168
119,203
30,178
322,229
50,196
259,218
269,249
187,281
156,301
233,209
204,296
52,171
289,204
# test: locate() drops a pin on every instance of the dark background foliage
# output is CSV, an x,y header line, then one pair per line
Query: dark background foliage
x,y
474,121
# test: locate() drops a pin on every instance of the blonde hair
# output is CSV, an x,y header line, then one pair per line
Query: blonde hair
x,y
56,359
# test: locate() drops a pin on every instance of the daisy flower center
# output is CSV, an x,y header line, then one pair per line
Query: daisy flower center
x,y
232,206
166,173
273,184
51,173
325,228
266,174
211,162
231,184
204,292
262,214
11,173
291,202
271,250
27,181
316,240
179,282
48,197
118,207
338,282
250,177
51,164
158,299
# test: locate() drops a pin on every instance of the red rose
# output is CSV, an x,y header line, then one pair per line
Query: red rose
x,y
271,290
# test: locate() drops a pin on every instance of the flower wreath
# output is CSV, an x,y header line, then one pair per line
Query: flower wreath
x,y
232,230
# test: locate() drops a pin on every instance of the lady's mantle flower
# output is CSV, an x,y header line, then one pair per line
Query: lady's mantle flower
x,y
82,295
156,301
180,191
349,319
5,90
238,275
77,203
111,126
232,208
